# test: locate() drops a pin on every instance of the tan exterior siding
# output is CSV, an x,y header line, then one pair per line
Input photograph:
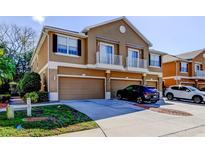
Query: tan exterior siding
x,y
53,80
112,32
126,75
169,69
66,58
200,58
78,71
41,58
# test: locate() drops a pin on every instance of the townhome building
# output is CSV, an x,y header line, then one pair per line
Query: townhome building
x,y
186,69
95,62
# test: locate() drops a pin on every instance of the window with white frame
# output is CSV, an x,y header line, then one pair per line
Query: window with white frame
x,y
67,45
184,68
155,60
197,67
106,53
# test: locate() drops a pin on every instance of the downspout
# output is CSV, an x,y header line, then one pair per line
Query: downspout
x,y
176,73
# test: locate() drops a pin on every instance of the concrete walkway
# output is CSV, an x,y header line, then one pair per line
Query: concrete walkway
x,y
119,118
87,133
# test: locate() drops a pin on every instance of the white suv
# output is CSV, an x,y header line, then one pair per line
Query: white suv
x,y
185,92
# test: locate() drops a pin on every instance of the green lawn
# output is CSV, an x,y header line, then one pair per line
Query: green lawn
x,y
61,119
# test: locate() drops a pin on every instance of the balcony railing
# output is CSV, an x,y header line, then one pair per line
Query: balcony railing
x,y
136,63
200,73
108,59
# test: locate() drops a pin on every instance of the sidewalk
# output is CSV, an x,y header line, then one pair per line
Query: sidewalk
x,y
87,133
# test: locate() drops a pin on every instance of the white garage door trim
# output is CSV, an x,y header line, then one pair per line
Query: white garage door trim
x,y
80,76
152,80
128,79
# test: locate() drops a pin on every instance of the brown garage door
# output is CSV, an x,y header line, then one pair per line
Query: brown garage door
x,y
152,84
201,86
120,84
80,88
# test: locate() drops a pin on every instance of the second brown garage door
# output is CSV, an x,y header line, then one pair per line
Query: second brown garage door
x,y
120,84
80,88
152,84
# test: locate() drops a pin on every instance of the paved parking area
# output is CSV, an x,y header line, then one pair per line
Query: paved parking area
x,y
121,118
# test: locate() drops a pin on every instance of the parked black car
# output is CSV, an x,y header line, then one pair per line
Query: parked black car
x,y
139,93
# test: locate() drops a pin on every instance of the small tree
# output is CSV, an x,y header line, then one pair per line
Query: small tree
x,y
30,82
7,67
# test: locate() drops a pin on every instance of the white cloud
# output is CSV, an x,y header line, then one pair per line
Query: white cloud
x,y
39,19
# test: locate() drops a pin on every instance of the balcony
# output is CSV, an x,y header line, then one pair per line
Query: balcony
x,y
138,65
109,61
200,74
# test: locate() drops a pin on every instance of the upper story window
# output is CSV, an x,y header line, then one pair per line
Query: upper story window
x,y
106,49
197,67
133,53
155,60
67,45
184,68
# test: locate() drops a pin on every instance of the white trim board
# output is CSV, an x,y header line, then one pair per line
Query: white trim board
x,y
55,65
44,67
151,80
128,79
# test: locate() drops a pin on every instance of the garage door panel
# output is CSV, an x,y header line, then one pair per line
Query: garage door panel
x,y
121,84
80,88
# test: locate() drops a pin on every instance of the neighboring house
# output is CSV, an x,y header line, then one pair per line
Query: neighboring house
x,y
187,69
96,62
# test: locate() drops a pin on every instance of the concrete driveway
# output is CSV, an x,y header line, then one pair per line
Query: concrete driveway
x,y
121,118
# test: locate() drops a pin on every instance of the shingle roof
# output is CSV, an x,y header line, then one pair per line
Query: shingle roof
x,y
157,52
169,58
190,55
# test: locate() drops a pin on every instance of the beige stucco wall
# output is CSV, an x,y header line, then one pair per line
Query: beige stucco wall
x,y
41,58
200,58
64,58
112,32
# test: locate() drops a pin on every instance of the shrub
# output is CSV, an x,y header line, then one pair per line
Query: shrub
x,y
31,82
4,98
4,88
43,96
33,95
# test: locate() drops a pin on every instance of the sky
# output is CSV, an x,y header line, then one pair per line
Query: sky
x,y
173,35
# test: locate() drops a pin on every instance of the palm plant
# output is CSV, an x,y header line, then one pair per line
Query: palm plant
x,y
7,68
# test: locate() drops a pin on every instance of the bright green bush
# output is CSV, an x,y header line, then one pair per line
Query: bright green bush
x,y
30,82
43,96
33,95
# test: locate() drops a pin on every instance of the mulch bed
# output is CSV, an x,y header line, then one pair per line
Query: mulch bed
x,y
3,105
164,110
33,119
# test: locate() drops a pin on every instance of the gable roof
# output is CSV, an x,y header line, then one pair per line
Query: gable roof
x,y
86,29
171,58
157,52
190,55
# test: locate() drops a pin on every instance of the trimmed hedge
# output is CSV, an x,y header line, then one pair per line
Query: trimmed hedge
x,y
4,98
